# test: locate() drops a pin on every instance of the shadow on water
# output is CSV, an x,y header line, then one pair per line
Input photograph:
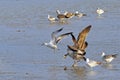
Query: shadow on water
x,y
107,66
110,66
70,73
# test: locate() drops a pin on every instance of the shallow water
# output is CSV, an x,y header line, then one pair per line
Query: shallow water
x,y
24,27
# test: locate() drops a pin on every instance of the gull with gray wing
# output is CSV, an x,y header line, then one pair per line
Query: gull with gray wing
x,y
53,43
108,58
52,19
79,14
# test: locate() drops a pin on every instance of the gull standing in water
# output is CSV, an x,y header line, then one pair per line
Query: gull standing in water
x,y
99,11
60,16
78,14
53,43
108,58
63,17
52,19
77,51
69,14
92,63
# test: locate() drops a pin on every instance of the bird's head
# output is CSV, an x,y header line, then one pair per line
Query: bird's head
x,y
103,54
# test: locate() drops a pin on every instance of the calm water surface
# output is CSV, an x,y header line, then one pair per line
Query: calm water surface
x,y
24,26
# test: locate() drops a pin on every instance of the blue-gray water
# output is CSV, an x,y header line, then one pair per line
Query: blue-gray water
x,y
24,26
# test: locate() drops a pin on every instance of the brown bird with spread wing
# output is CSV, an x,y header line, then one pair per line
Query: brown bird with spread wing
x,y
77,51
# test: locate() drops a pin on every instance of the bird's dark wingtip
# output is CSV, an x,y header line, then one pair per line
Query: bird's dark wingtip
x,y
89,26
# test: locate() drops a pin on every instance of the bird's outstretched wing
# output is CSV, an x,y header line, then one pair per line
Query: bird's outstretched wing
x,y
82,36
72,48
74,40
62,36
84,46
55,32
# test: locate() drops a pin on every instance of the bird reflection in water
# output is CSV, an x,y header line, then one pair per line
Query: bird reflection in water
x,y
77,72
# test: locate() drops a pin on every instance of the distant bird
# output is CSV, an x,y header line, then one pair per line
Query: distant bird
x,y
77,51
53,43
69,14
65,15
108,58
99,11
92,63
78,14
52,19
60,15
